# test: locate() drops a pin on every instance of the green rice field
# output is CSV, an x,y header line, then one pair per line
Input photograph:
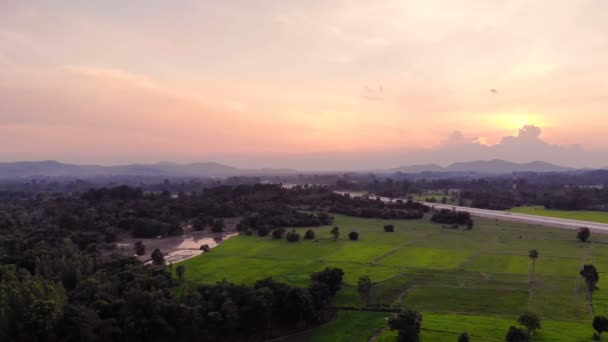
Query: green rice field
x,y
583,215
475,281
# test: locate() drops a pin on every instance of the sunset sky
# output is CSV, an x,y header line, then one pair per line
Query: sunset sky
x,y
308,84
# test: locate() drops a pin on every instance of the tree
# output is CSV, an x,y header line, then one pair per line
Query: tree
x,y
263,231
353,236
180,270
198,224
591,277
407,323
517,335
293,236
600,324
278,233
157,257
464,337
533,254
332,277
531,321
389,228
310,234
364,286
444,200
583,234
470,224
335,232
140,249
218,226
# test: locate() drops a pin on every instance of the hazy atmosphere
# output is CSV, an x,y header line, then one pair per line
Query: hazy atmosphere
x,y
304,84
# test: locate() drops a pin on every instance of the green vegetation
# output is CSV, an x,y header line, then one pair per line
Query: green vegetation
x,y
584,215
460,274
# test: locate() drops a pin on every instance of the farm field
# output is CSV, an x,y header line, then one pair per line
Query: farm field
x,y
584,215
475,281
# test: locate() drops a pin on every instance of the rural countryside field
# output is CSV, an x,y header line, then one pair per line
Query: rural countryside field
x,y
476,281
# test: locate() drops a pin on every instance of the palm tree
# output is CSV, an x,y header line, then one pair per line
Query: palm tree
x,y
533,254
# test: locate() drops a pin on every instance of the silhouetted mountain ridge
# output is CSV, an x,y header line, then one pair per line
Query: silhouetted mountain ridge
x,y
486,166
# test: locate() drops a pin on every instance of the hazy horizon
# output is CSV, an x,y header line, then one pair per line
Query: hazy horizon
x,y
310,85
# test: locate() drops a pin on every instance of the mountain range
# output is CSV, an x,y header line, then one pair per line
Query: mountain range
x,y
216,170
495,166
165,169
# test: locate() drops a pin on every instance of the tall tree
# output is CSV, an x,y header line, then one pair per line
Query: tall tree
x,y
600,324
180,270
157,257
407,323
517,335
591,277
583,234
364,286
531,321
533,254
335,232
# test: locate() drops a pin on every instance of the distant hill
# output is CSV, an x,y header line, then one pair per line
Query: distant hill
x,y
495,166
57,169
419,168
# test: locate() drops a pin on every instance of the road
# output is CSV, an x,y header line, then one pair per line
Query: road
x,y
507,216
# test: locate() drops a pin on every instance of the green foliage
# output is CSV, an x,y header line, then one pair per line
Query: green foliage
x,y
309,235
408,323
354,236
332,277
180,270
364,286
583,234
140,249
591,277
157,257
293,236
600,324
278,233
335,232
218,226
515,334
531,321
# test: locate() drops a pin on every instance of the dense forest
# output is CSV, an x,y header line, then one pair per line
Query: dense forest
x,y
56,285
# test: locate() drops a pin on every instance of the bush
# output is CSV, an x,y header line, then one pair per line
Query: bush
x,y
389,228
198,224
205,248
310,234
293,236
464,337
218,226
451,217
263,231
278,233
353,236
140,249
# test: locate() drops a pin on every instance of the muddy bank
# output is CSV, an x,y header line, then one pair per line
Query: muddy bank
x,y
176,248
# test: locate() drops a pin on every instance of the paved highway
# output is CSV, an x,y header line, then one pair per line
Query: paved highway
x,y
503,215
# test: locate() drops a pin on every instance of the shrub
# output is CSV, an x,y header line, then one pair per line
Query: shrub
x,y
278,233
218,226
263,231
353,236
293,236
389,228
310,234
205,248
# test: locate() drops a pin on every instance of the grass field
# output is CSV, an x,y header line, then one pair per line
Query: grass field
x,y
584,215
476,280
